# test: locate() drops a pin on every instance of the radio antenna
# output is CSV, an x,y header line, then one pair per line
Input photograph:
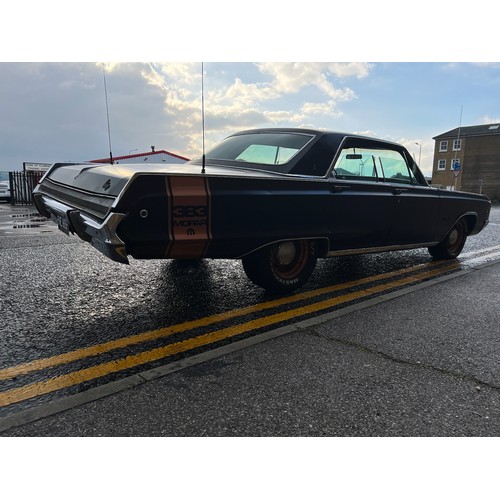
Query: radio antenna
x,y
202,122
107,115
456,149
459,127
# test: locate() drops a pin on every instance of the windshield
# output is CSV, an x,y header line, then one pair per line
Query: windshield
x,y
264,148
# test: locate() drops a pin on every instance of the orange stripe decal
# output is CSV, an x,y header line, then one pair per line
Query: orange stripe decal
x,y
188,216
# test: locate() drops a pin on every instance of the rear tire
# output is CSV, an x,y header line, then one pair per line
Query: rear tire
x,y
281,267
452,244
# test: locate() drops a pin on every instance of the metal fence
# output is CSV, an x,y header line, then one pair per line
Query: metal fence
x,y
22,185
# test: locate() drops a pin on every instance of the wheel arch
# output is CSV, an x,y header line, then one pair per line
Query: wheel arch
x,y
322,245
452,244
470,219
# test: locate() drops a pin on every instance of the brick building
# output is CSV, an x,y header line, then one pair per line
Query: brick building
x,y
468,159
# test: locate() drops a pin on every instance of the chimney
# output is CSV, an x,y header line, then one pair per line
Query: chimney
x,y
152,149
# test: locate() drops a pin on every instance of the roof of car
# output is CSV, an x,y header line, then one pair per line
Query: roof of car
x,y
288,129
317,132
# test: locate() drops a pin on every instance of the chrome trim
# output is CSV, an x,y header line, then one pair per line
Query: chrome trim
x,y
265,174
359,251
351,251
101,235
104,238
284,240
54,206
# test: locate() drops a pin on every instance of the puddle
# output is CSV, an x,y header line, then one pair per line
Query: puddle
x,y
26,214
25,226
23,220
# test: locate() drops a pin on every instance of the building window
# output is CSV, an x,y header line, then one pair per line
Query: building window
x,y
443,146
457,144
442,165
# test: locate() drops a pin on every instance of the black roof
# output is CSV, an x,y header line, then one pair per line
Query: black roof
x,y
316,132
489,129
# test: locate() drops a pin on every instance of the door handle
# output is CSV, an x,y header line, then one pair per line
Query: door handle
x,y
399,190
340,188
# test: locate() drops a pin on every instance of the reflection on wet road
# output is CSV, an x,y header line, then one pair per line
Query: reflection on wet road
x,y
22,218
74,320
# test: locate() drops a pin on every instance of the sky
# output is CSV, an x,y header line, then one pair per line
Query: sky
x,y
56,111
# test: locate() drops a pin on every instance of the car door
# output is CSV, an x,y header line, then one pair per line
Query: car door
x,y
362,206
416,214
416,207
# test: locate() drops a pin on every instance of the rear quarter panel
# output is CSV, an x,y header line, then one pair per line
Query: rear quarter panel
x,y
250,213
457,204
218,217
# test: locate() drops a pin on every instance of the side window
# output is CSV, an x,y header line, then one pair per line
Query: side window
x,y
395,168
373,165
357,163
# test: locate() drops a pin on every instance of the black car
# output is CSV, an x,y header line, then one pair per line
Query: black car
x,y
276,198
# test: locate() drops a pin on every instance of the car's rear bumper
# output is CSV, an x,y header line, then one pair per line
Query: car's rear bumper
x,y
100,234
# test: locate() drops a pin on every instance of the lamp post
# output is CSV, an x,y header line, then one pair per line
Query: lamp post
x,y
419,154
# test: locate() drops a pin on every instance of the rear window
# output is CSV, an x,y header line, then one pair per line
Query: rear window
x,y
269,149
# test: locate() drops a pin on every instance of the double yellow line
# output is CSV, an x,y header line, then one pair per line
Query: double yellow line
x,y
77,377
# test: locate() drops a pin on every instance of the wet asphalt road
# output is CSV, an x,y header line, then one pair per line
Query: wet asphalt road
x,y
59,294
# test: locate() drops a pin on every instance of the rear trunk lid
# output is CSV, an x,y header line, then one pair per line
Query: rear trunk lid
x,y
91,188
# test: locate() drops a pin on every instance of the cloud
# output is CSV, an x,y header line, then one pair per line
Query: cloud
x,y
290,78
321,108
63,115
366,133
486,120
234,102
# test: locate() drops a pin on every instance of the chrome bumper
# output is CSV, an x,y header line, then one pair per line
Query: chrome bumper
x,y
101,235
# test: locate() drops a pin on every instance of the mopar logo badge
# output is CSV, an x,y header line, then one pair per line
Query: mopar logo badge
x,y
107,185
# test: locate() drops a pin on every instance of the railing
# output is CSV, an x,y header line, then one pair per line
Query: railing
x,y
22,185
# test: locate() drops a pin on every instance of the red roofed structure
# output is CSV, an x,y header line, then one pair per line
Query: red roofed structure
x,y
152,156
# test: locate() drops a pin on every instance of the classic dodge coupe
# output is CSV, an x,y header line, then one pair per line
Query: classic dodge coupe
x,y
277,199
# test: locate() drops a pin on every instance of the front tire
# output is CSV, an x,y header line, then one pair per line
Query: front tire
x,y
281,267
453,244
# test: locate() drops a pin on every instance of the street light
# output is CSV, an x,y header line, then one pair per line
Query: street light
x,y
419,154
